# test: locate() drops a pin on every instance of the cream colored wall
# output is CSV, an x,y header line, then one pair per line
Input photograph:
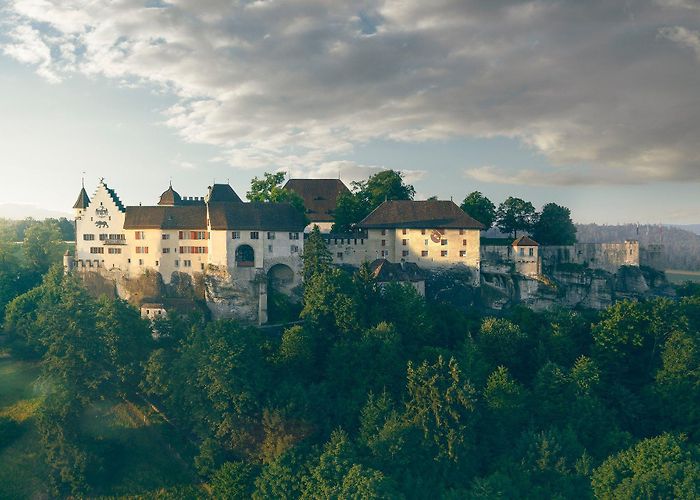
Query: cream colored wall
x,y
86,221
356,251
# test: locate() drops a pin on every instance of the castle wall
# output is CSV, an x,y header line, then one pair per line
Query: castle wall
x,y
424,247
605,256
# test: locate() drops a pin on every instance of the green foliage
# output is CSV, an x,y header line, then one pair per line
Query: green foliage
x,y
317,258
660,467
515,215
43,245
554,226
368,195
442,405
480,207
269,189
234,480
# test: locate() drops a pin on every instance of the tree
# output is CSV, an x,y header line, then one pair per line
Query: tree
x,y
269,189
442,405
515,215
368,195
43,245
480,207
234,480
316,257
554,226
660,467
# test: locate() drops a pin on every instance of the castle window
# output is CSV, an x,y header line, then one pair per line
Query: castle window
x,y
464,243
187,263
531,252
270,235
88,237
404,253
422,231
293,236
156,263
177,263
166,250
404,242
236,235
443,242
521,251
383,232
383,243
103,237
385,253
462,253
424,253
245,256
97,250
113,250
141,249
404,231
165,236
140,262
461,231
339,255
443,253
139,235
254,235
426,243
294,249
269,248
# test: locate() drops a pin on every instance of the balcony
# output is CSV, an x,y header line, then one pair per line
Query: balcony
x,y
110,242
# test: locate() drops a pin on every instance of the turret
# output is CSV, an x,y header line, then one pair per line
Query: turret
x,y
68,262
81,203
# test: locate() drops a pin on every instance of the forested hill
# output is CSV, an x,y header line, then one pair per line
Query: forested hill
x,y
681,248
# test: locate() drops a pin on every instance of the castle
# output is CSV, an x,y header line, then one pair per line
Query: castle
x,y
229,253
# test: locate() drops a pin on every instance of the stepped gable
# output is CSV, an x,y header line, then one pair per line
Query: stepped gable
x,y
222,193
320,196
167,217
420,215
256,215
83,200
115,198
525,241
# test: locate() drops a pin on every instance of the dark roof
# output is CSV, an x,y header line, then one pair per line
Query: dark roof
x,y
115,198
170,197
222,192
419,214
525,241
164,217
320,196
385,271
256,215
83,201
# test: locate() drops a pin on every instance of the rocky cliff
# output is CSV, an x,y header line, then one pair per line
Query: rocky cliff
x,y
568,286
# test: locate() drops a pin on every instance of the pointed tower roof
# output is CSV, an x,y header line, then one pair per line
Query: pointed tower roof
x,y
83,201
222,192
170,197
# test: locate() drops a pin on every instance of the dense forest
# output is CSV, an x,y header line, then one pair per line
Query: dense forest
x,y
376,393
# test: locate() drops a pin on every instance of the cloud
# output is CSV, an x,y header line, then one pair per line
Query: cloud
x,y
606,91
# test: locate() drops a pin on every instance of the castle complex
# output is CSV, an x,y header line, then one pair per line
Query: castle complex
x,y
229,253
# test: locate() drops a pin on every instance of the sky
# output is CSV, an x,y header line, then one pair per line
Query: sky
x,y
594,105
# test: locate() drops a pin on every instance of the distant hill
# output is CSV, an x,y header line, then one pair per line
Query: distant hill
x,y
681,247
693,228
20,211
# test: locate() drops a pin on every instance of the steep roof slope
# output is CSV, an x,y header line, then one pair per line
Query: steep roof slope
x,y
256,215
320,196
419,214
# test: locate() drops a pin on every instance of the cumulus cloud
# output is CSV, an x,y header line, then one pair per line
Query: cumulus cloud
x,y
605,90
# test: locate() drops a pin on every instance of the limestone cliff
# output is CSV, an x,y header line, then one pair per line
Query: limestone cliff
x,y
571,287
